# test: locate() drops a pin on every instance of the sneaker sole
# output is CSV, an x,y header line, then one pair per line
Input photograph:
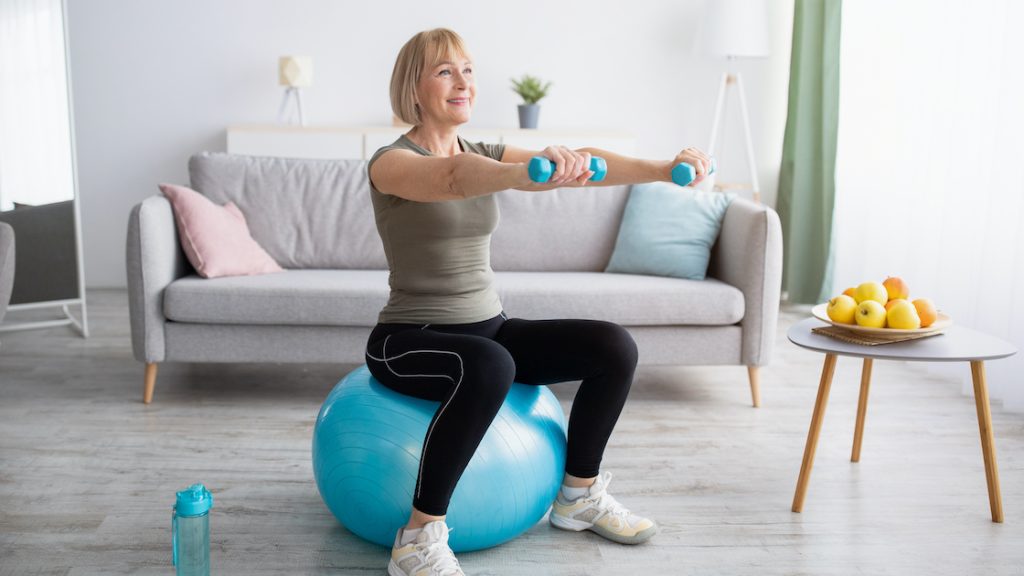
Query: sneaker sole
x,y
578,526
394,570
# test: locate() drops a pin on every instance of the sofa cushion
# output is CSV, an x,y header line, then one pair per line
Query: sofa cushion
x,y
627,299
305,213
354,298
296,297
561,230
216,239
668,230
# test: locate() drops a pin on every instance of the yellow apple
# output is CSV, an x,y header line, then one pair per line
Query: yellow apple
x,y
897,288
903,315
841,309
870,314
872,291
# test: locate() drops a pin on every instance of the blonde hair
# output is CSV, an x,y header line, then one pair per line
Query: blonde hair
x,y
424,50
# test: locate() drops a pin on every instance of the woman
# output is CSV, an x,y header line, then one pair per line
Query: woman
x,y
443,335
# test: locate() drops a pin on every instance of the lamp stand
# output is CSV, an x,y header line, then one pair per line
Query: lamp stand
x,y
288,93
728,79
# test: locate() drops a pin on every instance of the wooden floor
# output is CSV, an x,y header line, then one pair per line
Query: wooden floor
x,y
88,473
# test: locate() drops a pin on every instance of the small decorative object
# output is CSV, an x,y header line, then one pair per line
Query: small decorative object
x,y
531,90
295,72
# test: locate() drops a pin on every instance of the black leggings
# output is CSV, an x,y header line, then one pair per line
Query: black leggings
x,y
469,368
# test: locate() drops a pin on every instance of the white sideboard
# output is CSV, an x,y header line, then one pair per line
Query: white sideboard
x,y
336,142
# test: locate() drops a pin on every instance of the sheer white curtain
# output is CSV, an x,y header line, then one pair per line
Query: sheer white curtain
x,y
35,140
930,164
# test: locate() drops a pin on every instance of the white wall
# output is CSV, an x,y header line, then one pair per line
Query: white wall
x,y
156,81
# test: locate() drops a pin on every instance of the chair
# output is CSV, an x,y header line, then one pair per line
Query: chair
x,y
6,266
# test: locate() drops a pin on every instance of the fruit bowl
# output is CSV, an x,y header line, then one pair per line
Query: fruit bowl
x,y
941,323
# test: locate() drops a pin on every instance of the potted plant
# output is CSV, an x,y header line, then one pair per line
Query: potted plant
x,y
531,90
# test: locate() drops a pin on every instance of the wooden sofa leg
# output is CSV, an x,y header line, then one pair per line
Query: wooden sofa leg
x,y
147,393
755,385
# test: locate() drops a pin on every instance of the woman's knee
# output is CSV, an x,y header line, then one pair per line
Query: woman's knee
x,y
617,345
490,370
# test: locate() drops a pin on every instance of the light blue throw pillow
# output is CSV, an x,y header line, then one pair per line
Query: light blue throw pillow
x,y
668,230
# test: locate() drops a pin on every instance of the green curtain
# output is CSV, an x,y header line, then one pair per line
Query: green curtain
x,y
807,179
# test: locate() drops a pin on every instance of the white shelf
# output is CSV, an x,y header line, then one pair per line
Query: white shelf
x,y
360,142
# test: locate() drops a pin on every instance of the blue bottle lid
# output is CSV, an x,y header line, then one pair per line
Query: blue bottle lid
x,y
195,500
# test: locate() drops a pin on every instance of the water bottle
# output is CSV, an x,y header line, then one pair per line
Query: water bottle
x,y
190,529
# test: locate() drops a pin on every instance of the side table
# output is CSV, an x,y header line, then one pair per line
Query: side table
x,y
955,344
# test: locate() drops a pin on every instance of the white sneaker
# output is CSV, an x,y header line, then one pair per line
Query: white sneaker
x,y
427,555
599,512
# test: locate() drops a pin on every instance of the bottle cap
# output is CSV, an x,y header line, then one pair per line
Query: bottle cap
x,y
195,500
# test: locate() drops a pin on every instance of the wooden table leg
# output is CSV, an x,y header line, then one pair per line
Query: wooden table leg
x,y
988,446
862,409
812,435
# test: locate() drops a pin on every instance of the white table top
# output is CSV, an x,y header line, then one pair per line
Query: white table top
x,y
955,344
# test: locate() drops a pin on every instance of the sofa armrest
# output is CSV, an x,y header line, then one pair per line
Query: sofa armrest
x,y
154,260
748,255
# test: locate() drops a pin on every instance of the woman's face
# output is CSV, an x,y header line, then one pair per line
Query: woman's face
x,y
446,92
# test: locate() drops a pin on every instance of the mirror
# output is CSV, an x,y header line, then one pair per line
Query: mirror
x,y
38,182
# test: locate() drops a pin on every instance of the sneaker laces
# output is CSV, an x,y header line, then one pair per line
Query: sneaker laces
x,y
611,506
440,557
606,501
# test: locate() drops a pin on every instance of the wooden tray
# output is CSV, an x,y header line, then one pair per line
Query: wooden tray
x,y
941,323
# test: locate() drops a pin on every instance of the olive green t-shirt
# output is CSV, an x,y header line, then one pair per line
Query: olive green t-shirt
x,y
439,253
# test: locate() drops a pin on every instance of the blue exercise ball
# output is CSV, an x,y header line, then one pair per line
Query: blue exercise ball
x,y
366,452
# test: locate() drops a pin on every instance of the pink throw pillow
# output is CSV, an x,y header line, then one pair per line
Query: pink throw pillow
x,y
216,239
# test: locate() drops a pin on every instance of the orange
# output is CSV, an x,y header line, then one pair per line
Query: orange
x,y
896,288
926,311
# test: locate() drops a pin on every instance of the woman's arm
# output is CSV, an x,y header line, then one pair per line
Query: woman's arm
x,y
621,169
419,178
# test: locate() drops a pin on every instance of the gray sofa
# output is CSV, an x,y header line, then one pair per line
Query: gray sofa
x,y
315,218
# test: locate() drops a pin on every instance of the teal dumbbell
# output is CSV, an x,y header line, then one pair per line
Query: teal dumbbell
x,y
684,173
541,168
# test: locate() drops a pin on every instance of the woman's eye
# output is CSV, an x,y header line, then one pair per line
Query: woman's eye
x,y
443,72
467,71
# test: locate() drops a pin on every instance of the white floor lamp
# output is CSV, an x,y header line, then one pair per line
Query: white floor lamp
x,y
735,29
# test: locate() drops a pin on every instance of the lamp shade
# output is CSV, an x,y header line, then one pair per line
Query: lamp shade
x,y
295,71
736,28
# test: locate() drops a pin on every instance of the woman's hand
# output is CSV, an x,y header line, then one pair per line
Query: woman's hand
x,y
700,161
572,168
